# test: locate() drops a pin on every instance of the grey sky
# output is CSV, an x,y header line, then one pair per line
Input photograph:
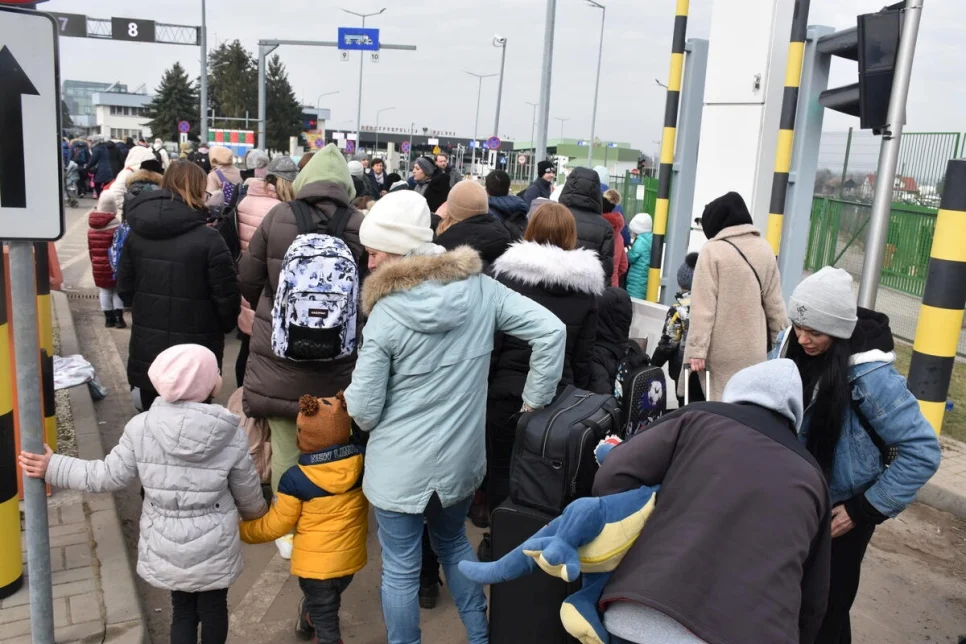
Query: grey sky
x,y
429,87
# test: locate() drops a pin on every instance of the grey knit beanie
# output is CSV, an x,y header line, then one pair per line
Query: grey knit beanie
x,y
824,302
426,166
686,271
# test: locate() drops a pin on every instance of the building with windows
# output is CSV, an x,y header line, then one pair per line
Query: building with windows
x,y
78,94
115,115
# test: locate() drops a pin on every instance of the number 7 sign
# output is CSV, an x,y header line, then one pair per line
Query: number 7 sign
x,y
72,25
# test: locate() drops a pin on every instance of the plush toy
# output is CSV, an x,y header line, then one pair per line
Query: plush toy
x,y
591,538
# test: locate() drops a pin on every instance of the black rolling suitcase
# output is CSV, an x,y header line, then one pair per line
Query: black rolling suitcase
x,y
525,610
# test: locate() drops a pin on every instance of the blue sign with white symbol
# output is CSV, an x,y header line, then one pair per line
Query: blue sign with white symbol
x,y
357,39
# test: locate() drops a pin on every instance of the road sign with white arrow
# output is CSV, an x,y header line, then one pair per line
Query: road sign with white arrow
x,y
31,184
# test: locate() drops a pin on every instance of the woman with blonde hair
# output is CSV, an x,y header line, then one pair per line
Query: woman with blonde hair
x,y
176,274
223,171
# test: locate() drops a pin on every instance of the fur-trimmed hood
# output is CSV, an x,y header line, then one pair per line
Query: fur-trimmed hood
x,y
549,266
429,277
144,176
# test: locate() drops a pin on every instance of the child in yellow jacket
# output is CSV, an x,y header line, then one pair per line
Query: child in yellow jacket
x,y
321,499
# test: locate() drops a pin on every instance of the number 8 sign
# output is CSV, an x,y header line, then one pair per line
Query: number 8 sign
x,y
132,29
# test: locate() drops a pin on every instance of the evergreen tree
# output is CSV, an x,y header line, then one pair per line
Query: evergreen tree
x,y
232,84
175,100
284,111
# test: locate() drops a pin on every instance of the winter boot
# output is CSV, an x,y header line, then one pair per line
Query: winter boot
x,y
110,320
119,319
303,628
429,590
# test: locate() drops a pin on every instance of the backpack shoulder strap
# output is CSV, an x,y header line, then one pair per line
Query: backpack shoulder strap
x,y
221,175
338,222
303,216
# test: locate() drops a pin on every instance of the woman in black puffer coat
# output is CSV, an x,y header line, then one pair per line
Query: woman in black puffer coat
x,y
467,222
614,315
548,268
175,273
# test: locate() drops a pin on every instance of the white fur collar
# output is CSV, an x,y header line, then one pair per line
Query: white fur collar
x,y
874,355
542,264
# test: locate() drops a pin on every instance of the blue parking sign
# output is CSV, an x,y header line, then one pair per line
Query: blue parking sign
x,y
357,39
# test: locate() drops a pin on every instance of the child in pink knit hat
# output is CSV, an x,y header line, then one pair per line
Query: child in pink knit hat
x,y
199,481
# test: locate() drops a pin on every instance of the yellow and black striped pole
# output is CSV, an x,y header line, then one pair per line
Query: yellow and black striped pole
x,y
668,138
11,565
941,313
46,330
786,131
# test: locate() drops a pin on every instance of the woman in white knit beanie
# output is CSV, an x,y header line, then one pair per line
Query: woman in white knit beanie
x,y
860,417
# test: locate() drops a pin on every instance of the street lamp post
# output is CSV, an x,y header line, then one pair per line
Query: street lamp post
x,y
498,41
533,128
476,123
361,60
600,55
543,125
203,84
412,128
318,101
562,121
378,112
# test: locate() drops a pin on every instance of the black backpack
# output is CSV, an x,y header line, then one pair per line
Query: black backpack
x,y
641,391
224,219
553,455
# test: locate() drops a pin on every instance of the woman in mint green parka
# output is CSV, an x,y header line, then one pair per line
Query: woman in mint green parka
x,y
639,256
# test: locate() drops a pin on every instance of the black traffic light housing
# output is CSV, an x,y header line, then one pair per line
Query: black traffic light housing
x,y
874,44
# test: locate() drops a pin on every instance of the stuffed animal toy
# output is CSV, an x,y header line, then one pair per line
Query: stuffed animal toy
x,y
590,538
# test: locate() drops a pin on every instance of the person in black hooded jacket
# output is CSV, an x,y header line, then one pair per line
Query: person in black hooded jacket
x,y
510,209
612,344
175,273
549,268
467,223
581,193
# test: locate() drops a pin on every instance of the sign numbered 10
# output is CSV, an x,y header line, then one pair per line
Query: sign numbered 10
x,y
132,29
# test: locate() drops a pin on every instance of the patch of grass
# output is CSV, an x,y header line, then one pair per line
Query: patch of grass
x,y
954,422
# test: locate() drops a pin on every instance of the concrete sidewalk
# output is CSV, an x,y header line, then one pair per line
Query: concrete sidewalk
x,y
947,489
95,598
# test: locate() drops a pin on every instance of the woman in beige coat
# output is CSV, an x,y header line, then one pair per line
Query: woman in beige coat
x,y
737,309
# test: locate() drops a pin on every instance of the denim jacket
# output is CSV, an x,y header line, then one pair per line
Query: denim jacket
x,y
893,412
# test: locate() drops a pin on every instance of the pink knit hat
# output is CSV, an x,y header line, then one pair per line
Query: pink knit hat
x,y
185,372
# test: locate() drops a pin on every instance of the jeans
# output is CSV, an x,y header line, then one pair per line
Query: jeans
x,y
847,554
210,608
323,597
110,300
400,536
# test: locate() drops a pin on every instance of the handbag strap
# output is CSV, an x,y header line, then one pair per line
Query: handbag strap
x,y
750,265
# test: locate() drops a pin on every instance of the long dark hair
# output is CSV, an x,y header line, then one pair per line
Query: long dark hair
x,y
825,380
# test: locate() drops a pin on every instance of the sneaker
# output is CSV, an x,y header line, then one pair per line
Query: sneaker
x,y
285,545
303,627
428,594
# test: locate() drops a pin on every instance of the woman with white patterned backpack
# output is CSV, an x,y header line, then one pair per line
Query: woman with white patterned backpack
x,y
275,379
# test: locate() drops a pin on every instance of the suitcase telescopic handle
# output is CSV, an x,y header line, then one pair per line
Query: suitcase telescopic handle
x,y
687,383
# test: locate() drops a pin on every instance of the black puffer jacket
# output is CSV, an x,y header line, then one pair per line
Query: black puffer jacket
x,y
582,195
179,279
485,234
512,211
567,283
614,313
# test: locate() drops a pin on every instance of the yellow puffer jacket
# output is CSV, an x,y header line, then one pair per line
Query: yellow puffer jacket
x,y
322,499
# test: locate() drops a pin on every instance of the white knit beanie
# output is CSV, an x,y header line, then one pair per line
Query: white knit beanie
x,y
397,223
641,224
824,302
356,169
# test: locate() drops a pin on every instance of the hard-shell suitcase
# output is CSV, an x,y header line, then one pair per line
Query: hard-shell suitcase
x,y
553,453
525,610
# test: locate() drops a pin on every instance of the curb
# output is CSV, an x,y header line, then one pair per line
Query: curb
x,y
943,492
124,622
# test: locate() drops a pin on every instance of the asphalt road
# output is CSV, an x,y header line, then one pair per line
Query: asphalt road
x,y
914,577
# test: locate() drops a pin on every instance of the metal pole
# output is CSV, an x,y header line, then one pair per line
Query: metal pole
x,y
204,74
845,164
875,244
499,91
23,299
476,125
600,56
544,122
411,129
263,51
362,59
533,129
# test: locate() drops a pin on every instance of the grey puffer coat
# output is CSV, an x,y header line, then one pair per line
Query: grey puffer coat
x,y
193,462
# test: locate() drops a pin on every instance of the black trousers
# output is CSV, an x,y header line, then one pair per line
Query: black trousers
x,y
323,597
242,361
209,608
847,554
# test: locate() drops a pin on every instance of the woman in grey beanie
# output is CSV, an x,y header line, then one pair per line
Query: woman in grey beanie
x,y
859,418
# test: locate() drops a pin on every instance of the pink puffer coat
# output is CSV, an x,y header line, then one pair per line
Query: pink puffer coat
x,y
260,199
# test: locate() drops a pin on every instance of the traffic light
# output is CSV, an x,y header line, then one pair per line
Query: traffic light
x,y
874,44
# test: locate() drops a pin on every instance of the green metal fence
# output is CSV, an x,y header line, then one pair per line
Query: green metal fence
x,y
638,194
837,238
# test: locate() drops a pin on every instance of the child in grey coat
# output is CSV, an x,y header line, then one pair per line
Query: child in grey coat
x,y
192,458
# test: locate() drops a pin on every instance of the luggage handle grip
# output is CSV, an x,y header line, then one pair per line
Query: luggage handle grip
x,y
687,382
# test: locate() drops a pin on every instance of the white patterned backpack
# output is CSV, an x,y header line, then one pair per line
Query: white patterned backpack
x,y
316,305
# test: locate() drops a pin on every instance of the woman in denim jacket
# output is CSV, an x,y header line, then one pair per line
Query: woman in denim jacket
x,y
862,425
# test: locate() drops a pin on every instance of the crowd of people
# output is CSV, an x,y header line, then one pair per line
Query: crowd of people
x,y
453,307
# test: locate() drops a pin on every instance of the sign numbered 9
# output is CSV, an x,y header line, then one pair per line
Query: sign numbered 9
x,y
132,29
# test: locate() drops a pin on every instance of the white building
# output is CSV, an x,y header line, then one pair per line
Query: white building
x,y
116,115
